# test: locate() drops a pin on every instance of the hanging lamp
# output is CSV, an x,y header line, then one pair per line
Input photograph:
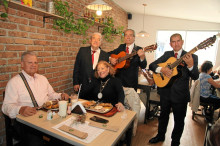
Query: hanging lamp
x,y
143,33
99,6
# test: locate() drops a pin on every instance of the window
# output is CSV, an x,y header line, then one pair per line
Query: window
x,y
191,40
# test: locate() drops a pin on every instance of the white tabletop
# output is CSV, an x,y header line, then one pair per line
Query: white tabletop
x,y
107,137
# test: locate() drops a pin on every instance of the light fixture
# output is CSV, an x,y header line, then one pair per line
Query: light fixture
x,y
143,33
99,6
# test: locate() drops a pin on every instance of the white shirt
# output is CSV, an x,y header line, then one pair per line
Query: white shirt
x,y
130,48
96,57
17,95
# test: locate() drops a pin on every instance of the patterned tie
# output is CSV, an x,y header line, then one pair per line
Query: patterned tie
x,y
93,56
175,55
127,50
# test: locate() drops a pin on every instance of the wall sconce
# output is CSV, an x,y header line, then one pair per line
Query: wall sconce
x,y
99,6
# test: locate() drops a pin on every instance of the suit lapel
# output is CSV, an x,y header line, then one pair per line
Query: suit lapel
x,y
88,57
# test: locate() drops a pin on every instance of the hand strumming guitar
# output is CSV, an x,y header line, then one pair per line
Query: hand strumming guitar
x,y
166,71
113,61
188,60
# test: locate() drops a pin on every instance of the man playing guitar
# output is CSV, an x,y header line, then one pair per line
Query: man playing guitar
x,y
129,75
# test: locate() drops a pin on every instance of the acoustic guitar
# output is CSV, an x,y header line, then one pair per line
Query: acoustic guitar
x,y
173,64
123,58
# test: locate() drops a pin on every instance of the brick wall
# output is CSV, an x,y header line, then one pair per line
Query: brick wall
x,y
56,51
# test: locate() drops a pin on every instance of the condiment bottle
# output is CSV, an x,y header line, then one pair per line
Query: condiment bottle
x,y
69,106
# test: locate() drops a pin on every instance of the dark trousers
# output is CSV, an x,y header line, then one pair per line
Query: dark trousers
x,y
179,113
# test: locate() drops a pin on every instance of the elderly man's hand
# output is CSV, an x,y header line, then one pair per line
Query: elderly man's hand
x,y
188,60
141,54
76,88
167,72
64,96
27,111
113,61
120,107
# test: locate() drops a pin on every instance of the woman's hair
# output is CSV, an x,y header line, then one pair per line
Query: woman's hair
x,y
206,66
111,69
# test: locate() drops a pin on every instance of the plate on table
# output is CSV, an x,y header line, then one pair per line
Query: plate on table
x,y
97,107
51,105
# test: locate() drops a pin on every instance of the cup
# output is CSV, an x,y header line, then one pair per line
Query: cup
x,y
74,98
62,108
124,114
50,7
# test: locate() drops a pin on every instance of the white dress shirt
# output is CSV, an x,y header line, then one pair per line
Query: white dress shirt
x,y
96,57
17,95
130,48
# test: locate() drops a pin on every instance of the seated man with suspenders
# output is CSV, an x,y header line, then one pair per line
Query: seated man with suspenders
x,y
26,92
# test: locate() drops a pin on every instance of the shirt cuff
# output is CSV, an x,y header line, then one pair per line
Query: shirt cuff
x,y
191,68
158,70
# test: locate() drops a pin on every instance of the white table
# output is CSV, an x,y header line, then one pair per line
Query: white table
x,y
107,137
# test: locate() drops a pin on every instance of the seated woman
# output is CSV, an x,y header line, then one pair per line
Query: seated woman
x,y
205,83
106,88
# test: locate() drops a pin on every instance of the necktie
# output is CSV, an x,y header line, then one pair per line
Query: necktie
x,y
93,56
127,50
175,55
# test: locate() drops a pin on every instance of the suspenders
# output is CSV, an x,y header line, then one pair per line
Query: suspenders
x,y
29,90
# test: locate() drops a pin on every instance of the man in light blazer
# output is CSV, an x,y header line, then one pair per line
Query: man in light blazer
x,y
86,61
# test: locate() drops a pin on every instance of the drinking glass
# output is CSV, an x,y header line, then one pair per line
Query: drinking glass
x,y
62,108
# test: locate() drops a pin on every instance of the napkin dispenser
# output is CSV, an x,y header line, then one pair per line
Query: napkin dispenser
x,y
78,108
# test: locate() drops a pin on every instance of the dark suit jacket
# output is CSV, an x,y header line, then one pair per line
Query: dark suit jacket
x,y
179,90
129,76
83,72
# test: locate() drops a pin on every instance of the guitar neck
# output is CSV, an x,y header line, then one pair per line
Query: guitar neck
x,y
177,62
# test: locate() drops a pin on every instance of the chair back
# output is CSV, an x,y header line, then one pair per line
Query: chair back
x,y
8,128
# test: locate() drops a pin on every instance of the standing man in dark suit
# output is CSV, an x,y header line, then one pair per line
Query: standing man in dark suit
x,y
86,61
129,76
176,95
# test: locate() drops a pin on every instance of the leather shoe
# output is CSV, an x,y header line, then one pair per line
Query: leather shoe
x,y
156,139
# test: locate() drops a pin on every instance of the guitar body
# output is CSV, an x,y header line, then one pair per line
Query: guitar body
x,y
122,63
162,80
124,59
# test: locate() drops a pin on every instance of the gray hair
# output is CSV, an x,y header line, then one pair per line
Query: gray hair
x,y
175,35
97,34
27,53
130,30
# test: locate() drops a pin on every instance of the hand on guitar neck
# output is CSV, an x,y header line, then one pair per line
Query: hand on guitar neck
x,y
188,60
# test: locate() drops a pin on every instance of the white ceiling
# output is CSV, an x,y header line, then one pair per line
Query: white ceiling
x,y
201,10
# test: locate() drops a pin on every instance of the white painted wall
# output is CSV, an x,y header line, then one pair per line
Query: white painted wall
x,y
155,23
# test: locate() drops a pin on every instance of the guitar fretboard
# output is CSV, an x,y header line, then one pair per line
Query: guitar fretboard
x,y
178,61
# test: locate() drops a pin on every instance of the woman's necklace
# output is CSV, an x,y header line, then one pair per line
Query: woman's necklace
x,y
102,86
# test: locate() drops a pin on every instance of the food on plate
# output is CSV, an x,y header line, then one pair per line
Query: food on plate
x,y
106,104
51,105
98,107
88,104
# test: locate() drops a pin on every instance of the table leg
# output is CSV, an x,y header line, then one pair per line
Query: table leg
x,y
128,134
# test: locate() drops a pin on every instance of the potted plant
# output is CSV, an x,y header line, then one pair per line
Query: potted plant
x,y
109,31
4,3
